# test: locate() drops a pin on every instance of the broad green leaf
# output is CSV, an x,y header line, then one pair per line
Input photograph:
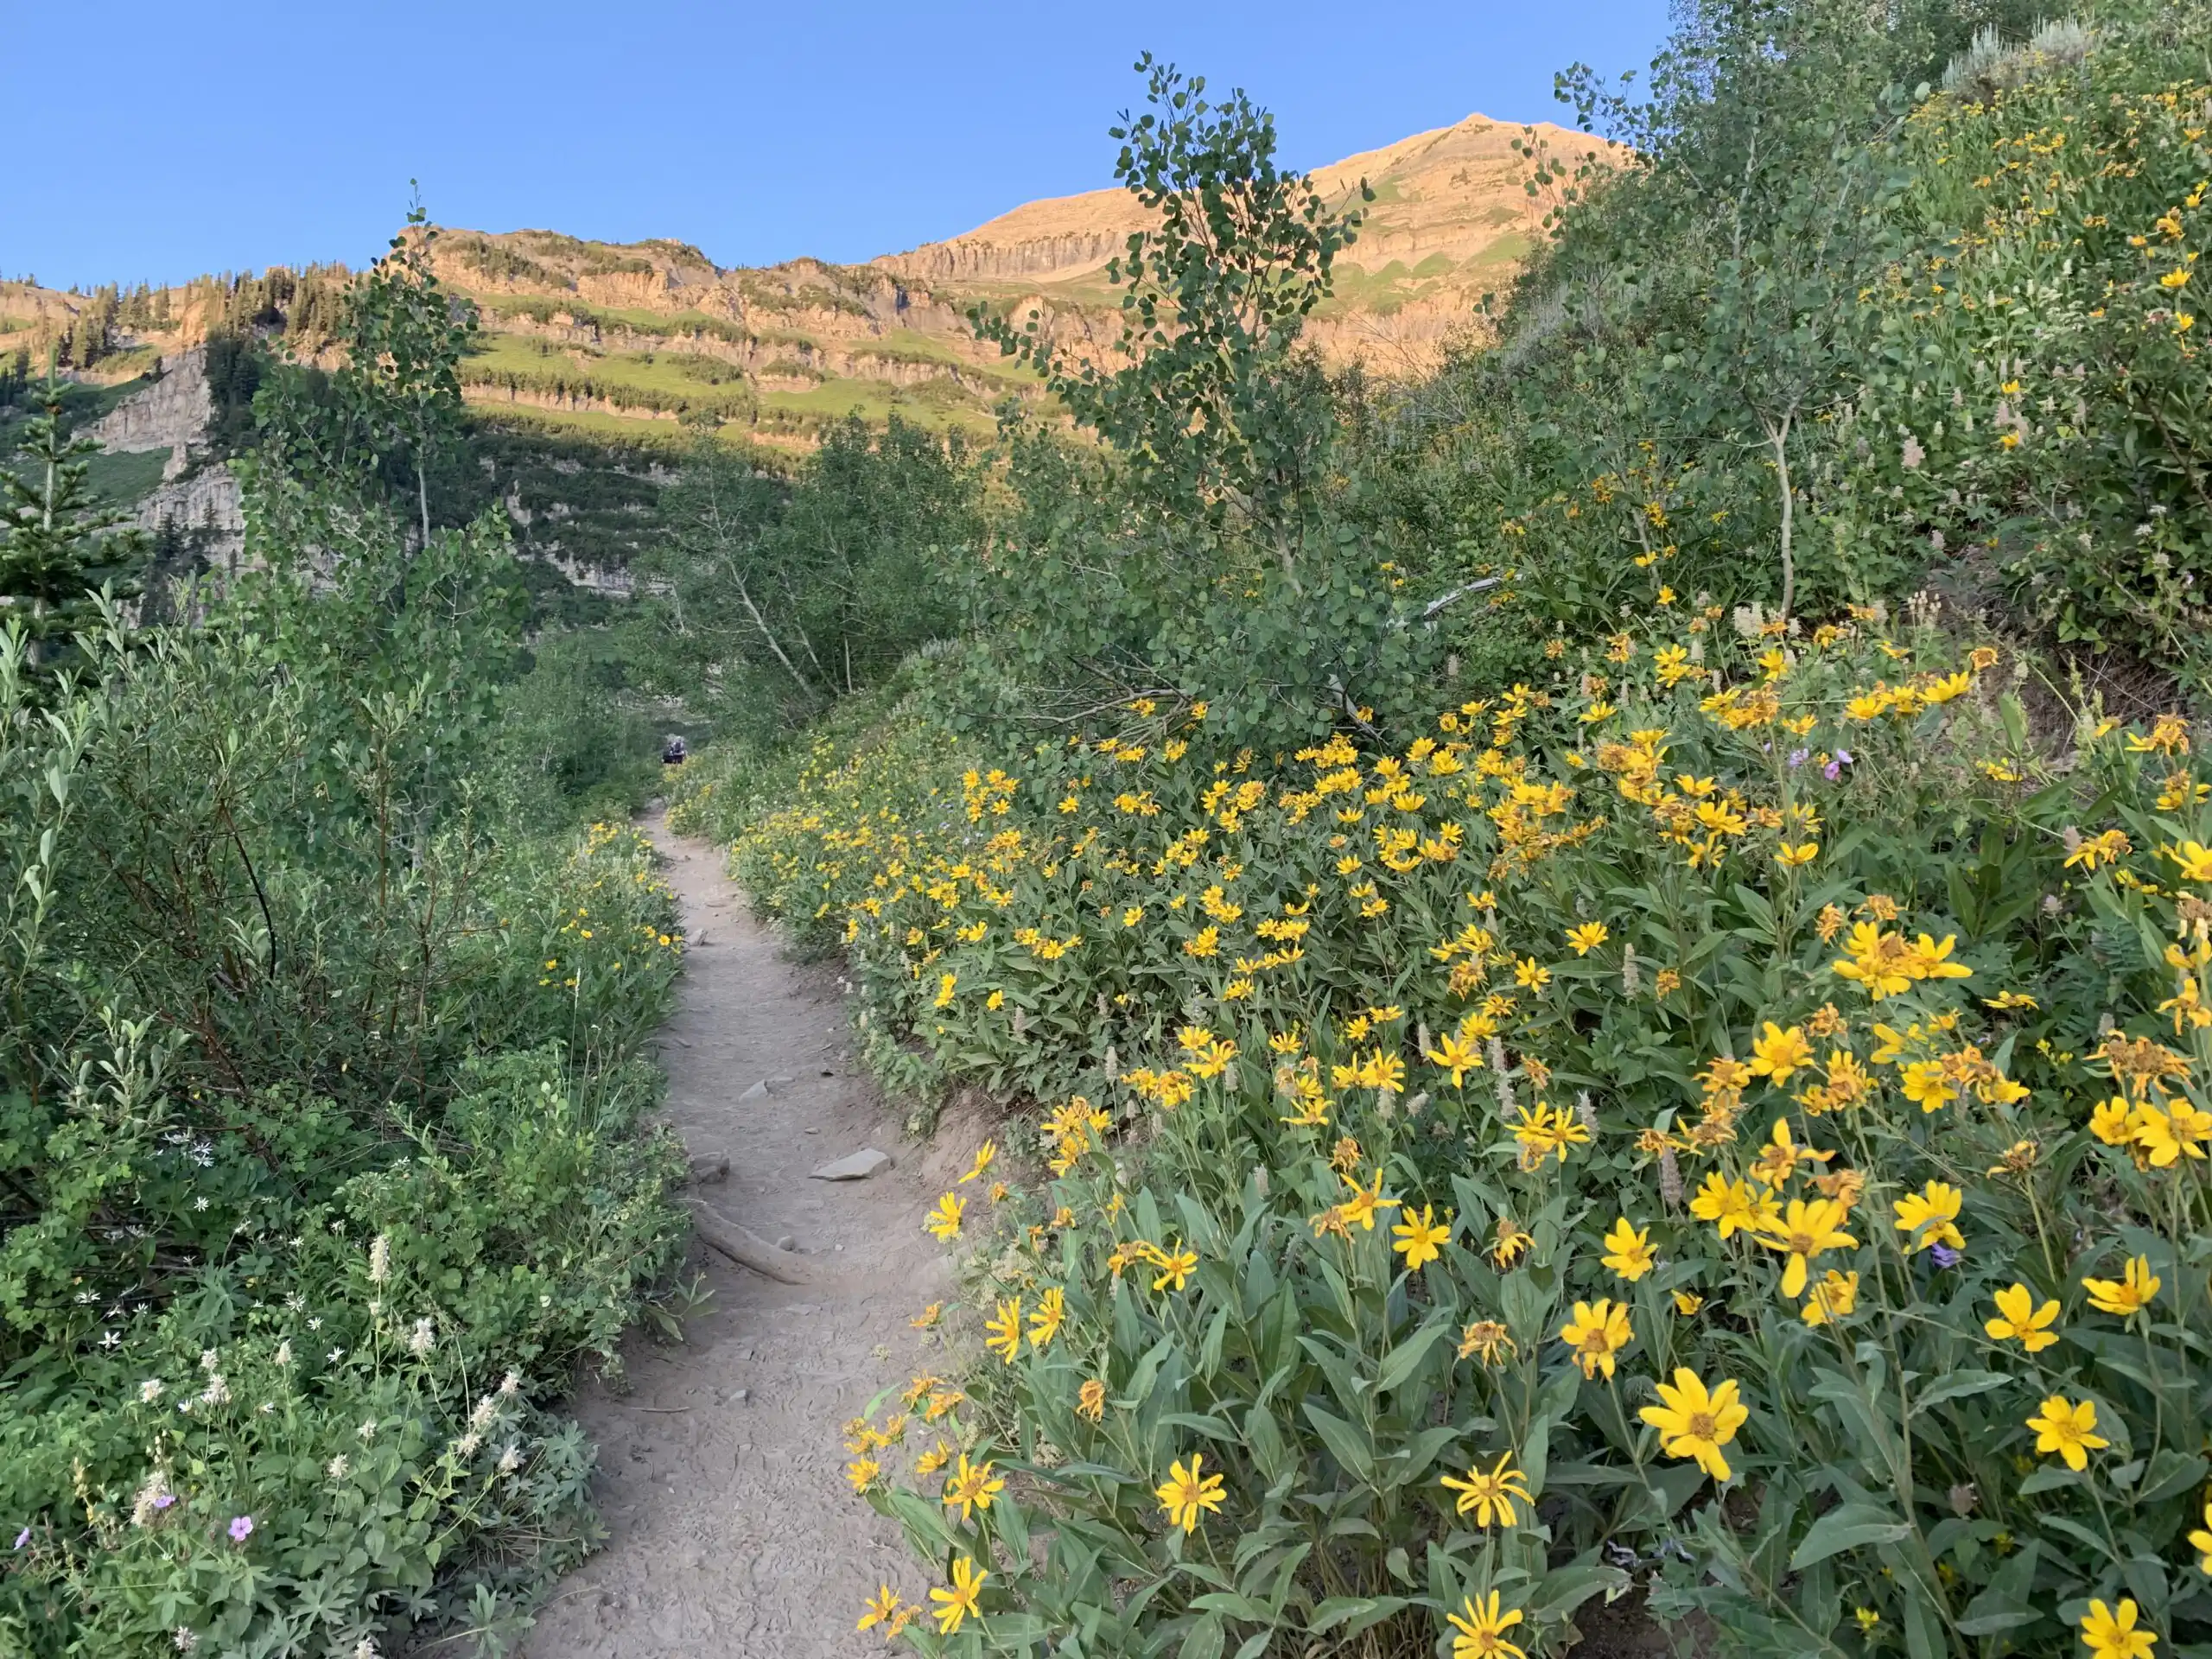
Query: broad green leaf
x,y
1849,1526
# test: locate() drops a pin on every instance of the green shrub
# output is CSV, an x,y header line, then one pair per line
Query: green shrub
x,y
318,1117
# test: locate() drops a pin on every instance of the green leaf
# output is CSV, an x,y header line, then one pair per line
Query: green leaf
x,y
1236,1606
1565,1588
1403,1359
2172,1474
1212,1427
1355,1614
1347,1445
1957,1385
1265,1442
1147,1372
1204,1640
2048,1480
1849,1526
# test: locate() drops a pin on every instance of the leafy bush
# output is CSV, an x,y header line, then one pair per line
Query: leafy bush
x,y
2039,384
318,1120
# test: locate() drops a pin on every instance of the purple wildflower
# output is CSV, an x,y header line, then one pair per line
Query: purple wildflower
x,y
164,1500
1948,1257
1798,757
241,1529
22,1537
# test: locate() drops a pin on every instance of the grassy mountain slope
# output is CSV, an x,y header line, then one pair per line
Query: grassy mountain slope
x,y
654,332
1451,217
627,342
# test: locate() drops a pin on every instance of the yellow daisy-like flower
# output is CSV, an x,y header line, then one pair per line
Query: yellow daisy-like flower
x,y
1512,1241
2068,1428
1175,1267
2131,1292
2019,1319
882,1607
1732,1207
1487,1338
1494,1491
1806,1229
1696,1422
1780,1054
1597,1331
1187,1493
984,1155
2201,1542
1482,1629
971,1487
1052,1312
944,1220
1365,1201
1587,937
1090,1400
1628,1250
2113,1121
1005,1337
1420,1238
959,1602
2111,1633
1931,1217
1836,1296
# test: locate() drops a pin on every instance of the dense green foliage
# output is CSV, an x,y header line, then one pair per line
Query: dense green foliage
x,y
57,549
764,601
321,1082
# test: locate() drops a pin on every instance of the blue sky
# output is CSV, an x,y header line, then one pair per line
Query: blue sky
x,y
245,133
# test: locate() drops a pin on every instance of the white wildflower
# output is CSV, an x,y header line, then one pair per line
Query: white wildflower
x,y
379,1259
152,1498
423,1339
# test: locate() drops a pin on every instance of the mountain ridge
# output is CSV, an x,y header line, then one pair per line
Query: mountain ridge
x,y
631,340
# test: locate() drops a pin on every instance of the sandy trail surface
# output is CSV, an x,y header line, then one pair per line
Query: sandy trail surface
x,y
721,1465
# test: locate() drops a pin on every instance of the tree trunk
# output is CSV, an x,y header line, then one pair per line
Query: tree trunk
x,y
1778,436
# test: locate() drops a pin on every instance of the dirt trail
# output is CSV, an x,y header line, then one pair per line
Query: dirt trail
x,y
721,1478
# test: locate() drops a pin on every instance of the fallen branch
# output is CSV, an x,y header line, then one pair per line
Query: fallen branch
x,y
1436,605
746,1248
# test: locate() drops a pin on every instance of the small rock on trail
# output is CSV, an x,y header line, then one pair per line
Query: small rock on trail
x,y
855,1166
733,1534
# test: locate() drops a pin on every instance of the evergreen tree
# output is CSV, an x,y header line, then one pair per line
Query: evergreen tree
x,y
59,548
